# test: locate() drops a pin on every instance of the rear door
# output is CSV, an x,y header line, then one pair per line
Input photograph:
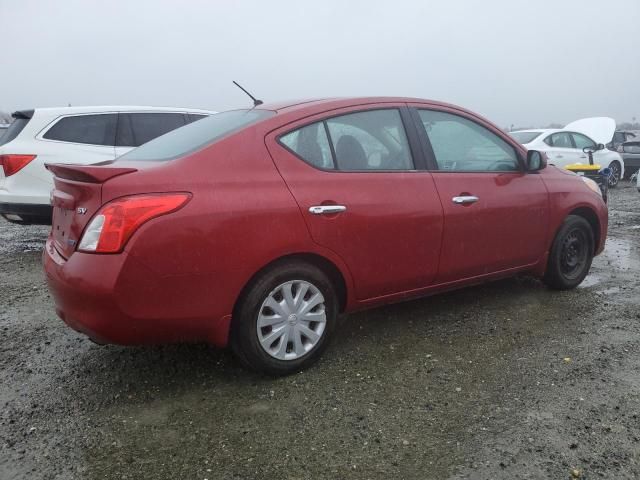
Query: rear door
x,y
495,214
356,180
137,128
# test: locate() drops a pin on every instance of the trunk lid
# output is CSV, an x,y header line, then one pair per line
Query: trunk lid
x,y
599,129
77,196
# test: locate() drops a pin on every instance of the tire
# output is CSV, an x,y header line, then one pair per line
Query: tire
x,y
571,254
263,348
616,173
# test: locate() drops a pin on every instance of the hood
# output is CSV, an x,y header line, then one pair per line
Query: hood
x,y
599,129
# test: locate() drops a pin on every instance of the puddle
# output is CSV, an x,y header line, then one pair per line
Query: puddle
x,y
590,281
609,291
621,254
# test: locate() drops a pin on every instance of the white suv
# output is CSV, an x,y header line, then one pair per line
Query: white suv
x,y
78,135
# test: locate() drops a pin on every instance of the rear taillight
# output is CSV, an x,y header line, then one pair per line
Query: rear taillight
x,y
116,221
14,163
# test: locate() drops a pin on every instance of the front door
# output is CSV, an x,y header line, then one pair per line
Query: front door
x,y
354,178
495,214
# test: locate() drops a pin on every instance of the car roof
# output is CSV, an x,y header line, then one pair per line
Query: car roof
x,y
338,102
57,111
319,105
538,130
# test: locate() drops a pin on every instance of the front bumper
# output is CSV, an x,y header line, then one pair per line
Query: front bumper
x,y
116,299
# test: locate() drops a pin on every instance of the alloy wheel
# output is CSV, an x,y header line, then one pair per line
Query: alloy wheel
x,y
614,178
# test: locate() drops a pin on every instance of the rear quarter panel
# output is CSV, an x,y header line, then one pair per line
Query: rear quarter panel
x,y
241,217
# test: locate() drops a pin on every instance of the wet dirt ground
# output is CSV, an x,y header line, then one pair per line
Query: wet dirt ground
x,y
507,380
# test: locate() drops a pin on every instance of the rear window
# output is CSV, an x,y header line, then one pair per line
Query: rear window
x,y
87,129
14,130
196,135
525,137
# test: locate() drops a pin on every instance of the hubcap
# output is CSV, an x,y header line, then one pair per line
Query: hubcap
x,y
573,255
291,320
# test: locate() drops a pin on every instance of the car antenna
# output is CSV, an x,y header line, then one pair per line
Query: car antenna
x,y
256,102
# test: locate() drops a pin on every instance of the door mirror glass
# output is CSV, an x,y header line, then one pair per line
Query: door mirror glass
x,y
536,161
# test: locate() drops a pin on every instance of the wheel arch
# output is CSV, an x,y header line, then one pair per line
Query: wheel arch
x,y
328,267
592,218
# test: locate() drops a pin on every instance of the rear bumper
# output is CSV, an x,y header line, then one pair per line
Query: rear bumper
x,y
27,212
115,299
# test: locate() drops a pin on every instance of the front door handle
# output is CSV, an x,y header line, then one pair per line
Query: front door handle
x,y
326,209
465,199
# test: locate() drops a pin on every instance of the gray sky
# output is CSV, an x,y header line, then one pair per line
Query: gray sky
x,y
526,63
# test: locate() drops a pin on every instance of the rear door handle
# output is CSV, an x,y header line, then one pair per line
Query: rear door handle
x,y
465,199
326,209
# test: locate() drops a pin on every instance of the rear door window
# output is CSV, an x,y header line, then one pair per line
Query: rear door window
x,y
561,140
135,129
361,141
311,144
97,129
372,140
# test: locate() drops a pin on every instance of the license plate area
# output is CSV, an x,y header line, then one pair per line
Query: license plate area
x,y
62,220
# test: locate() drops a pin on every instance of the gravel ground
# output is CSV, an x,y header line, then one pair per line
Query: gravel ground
x,y
507,380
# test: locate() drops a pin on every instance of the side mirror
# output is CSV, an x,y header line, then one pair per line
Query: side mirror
x,y
536,161
597,147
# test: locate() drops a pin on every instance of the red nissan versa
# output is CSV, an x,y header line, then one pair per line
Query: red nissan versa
x,y
256,228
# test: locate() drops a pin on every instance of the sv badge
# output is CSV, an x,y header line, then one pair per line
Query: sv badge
x,y
81,210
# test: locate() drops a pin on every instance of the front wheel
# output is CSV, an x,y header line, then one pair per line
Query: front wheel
x,y
616,173
571,254
284,321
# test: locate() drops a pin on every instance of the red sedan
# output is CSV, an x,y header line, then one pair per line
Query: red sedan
x,y
257,228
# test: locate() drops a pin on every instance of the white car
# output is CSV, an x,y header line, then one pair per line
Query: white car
x,y
77,135
568,145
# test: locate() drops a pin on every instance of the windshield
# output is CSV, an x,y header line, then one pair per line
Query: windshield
x,y
525,137
196,135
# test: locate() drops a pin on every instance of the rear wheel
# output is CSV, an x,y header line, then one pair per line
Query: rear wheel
x,y
285,320
571,254
616,173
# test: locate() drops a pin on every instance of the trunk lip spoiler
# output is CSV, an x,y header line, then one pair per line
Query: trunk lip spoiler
x,y
87,173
